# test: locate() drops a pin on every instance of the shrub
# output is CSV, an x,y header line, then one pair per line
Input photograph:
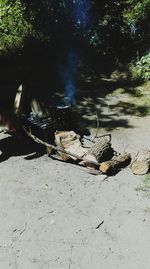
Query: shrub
x,y
141,68
13,25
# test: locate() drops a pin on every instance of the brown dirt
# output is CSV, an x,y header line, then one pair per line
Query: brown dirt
x,y
56,215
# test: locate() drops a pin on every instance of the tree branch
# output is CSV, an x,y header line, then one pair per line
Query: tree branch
x,y
39,141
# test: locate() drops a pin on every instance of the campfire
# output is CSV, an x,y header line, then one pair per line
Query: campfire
x,y
100,158
44,127
55,131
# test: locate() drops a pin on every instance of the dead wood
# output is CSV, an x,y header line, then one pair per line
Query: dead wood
x,y
18,103
99,225
101,150
141,165
58,149
93,140
102,146
140,168
70,141
90,161
117,162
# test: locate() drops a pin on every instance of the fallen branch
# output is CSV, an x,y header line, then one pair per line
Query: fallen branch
x,y
39,141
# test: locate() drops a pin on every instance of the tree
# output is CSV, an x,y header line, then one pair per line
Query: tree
x,y
136,19
14,26
109,27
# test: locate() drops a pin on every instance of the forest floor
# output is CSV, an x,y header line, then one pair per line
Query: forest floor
x,y
55,215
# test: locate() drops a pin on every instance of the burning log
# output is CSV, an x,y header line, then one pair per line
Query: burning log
x,y
141,165
116,163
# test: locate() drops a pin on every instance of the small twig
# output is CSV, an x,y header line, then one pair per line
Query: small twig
x,y
70,260
135,158
104,135
109,135
99,225
39,141
24,229
105,178
95,172
88,139
97,127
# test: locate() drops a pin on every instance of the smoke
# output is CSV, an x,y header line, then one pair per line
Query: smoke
x,y
81,14
79,11
67,72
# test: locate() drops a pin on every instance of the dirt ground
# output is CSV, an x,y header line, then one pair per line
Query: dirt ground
x,y
56,215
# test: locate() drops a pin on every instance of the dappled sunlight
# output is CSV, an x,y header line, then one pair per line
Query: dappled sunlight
x,y
113,101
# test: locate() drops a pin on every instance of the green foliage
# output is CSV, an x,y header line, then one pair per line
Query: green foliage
x,y
136,10
145,186
108,26
141,68
48,20
14,27
137,15
147,179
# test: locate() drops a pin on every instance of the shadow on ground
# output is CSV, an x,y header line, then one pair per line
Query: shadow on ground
x,y
98,97
16,145
107,98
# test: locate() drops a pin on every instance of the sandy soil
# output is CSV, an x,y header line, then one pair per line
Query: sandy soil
x,y
56,215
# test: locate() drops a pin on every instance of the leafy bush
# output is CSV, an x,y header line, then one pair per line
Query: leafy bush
x,y
141,68
136,10
13,25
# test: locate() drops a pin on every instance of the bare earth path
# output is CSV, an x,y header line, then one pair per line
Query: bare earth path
x,y
50,212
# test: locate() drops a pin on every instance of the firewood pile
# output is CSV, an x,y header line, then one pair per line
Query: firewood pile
x,y
100,157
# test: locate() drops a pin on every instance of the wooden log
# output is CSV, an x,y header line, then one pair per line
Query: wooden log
x,y
101,150
69,141
58,149
18,103
140,168
141,165
118,162
90,161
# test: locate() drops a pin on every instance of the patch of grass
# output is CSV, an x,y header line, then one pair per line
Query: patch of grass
x,y
141,102
118,91
147,180
135,100
145,187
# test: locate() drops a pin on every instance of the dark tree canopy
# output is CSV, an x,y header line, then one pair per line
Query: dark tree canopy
x,y
116,29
